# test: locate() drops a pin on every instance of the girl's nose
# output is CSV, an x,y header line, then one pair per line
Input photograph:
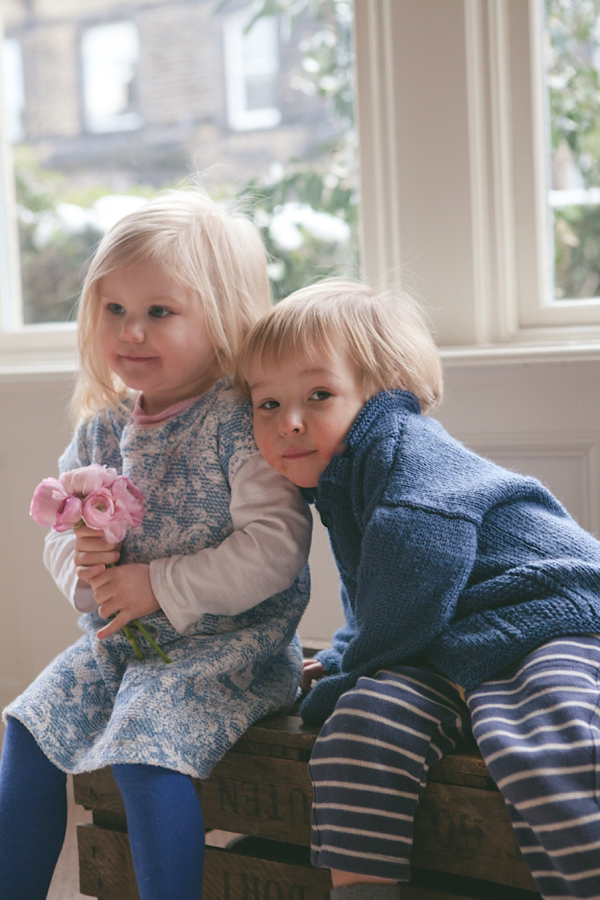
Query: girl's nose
x,y
131,330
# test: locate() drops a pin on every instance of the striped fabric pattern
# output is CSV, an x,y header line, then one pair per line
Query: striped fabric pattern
x,y
538,729
369,767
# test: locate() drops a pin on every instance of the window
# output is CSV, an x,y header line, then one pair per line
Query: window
x,y
109,58
251,71
116,111
572,58
454,156
14,90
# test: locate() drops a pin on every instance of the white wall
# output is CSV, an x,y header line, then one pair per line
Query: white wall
x,y
537,417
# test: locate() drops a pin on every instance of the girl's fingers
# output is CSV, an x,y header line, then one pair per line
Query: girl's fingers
x,y
120,618
83,558
90,573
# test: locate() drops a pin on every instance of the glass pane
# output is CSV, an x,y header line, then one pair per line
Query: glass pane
x,y
261,92
573,82
113,113
260,42
109,59
14,90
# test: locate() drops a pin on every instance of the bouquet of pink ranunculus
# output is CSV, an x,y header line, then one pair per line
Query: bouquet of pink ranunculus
x,y
100,498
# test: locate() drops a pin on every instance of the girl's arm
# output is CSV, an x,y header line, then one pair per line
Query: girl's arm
x,y
265,552
59,552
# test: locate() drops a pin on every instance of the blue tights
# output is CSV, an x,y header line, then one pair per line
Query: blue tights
x,y
164,820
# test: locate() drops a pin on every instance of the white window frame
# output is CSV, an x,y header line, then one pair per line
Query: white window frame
x,y
12,63
239,117
454,199
108,122
24,349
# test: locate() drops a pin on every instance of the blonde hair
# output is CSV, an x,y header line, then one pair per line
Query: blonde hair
x,y
383,334
216,256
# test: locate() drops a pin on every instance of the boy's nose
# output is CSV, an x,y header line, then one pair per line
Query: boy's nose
x,y
291,423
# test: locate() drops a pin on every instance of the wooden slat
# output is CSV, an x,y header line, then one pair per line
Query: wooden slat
x,y
260,796
263,790
254,870
98,791
105,865
463,830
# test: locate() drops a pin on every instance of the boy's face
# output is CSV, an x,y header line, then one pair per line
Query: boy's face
x,y
303,410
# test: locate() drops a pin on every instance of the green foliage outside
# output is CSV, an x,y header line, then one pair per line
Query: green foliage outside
x,y
573,59
328,183
298,197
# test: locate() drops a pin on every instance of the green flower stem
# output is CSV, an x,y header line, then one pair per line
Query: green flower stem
x,y
150,640
131,638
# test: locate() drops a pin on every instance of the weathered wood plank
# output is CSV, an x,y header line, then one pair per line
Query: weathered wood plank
x,y
252,869
260,796
105,865
463,830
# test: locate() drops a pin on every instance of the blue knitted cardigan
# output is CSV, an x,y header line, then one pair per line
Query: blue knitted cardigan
x,y
446,559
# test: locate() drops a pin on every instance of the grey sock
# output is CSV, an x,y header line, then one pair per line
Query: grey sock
x,y
366,892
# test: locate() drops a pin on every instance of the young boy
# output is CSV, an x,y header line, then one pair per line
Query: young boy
x,y
454,571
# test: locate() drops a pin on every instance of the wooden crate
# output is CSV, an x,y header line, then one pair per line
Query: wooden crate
x,y
464,845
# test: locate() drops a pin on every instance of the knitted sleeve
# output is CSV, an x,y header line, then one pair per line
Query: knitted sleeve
x,y
414,566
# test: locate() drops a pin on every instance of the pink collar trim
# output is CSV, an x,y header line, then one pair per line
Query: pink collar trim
x,y
140,418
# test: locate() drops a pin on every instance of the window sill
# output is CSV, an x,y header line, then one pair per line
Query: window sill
x,y
39,351
505,354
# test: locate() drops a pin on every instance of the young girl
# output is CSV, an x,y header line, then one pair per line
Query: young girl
x,y
454,572
216,568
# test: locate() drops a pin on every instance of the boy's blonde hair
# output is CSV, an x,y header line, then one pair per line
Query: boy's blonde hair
x,y
383,334
216,256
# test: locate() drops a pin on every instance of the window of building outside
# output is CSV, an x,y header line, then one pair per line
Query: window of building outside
x,y
251,71
109,61
101,115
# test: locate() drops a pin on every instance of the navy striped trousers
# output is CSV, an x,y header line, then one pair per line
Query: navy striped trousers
x,y
538,729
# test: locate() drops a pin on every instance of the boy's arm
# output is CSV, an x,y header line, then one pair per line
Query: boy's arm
x,y
414,566
261,557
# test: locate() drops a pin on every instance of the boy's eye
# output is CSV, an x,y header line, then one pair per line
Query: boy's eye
x,y
321,394
159,312
269,404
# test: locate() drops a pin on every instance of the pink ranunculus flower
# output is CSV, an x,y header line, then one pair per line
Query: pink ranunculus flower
x,y
101,499
68,515
47,499
101,512
88,479
128,498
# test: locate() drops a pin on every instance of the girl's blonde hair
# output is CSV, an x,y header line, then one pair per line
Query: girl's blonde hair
x,y
383,334
216,256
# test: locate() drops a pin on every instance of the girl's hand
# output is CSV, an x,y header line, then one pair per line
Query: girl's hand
x,y
312,670
124,592
93,553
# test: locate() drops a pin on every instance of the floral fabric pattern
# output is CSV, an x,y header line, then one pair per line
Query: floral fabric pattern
x,y
95,704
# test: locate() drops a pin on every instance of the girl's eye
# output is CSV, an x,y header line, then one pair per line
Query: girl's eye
x,y
114,309
159,312
320,395
269,404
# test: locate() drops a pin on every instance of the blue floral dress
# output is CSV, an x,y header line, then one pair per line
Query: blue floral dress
x,y
96,704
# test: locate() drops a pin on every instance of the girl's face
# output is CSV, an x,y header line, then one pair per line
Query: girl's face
x,y
303,411
153,335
